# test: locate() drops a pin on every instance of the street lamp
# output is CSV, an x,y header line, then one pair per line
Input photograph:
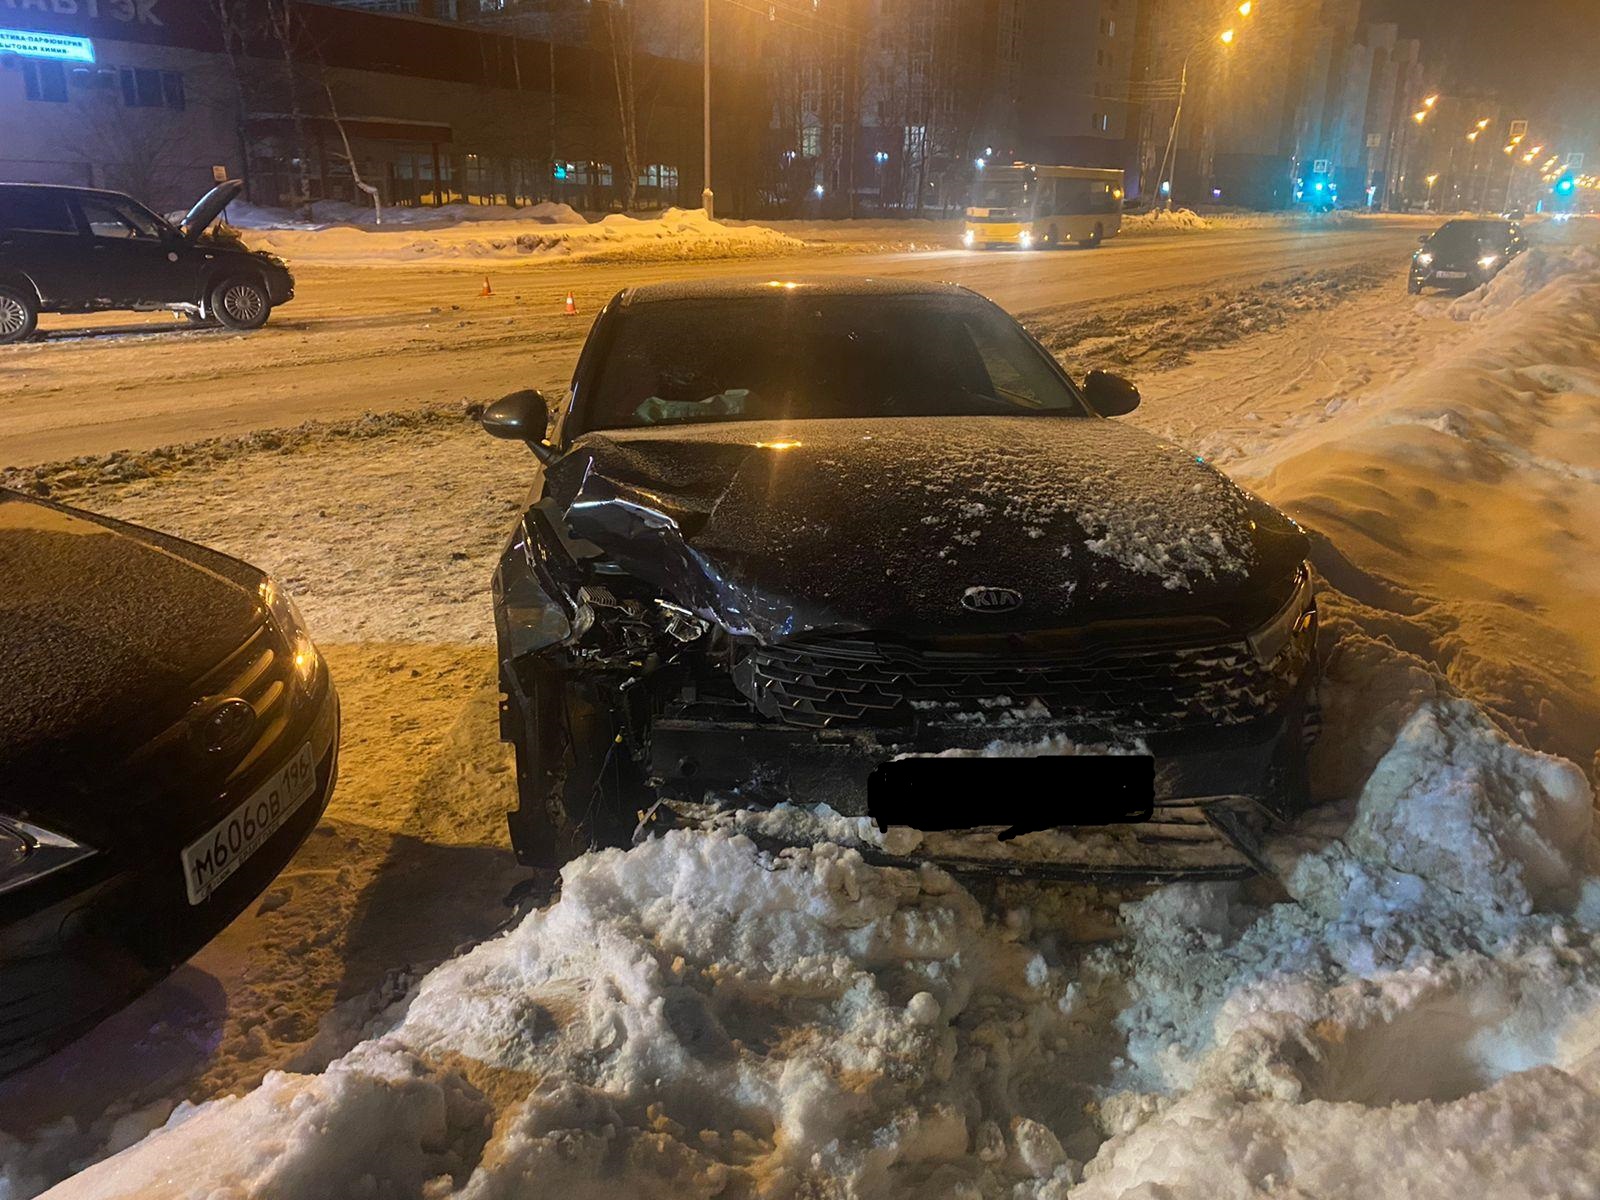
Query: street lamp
x,y
707,199
1226,38
1432,179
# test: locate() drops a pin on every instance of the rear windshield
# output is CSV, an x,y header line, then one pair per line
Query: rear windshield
x,y
798,355
35,212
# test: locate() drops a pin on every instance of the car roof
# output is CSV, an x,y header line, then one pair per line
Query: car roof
x,y
63,187
750,288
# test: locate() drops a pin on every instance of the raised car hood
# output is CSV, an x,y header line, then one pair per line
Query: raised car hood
x,y
885,524
103,628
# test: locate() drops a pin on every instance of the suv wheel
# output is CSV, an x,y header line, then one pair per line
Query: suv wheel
x,y
19,315
241,303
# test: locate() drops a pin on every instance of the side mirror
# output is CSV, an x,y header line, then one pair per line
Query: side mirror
x,y
521,417
1110,395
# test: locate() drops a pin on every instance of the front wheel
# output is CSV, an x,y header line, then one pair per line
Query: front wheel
x,y
1414,287
1092,242
19,315
241,303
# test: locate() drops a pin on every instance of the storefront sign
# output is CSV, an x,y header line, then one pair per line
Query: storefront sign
x,y
46,45
134,12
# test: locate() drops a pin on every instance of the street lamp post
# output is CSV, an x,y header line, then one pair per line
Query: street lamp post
x,y
1432,179
1226,38
707,199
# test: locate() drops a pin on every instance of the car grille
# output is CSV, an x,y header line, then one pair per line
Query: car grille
x,y
826,683
261,673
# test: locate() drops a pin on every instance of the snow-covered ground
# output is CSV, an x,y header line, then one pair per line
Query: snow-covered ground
x,y
1413,1009
338,233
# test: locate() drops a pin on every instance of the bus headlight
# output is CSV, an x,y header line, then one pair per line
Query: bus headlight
x,y
968,238
1025,239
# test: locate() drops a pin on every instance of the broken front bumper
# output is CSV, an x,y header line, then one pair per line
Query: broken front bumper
x,y
1217,791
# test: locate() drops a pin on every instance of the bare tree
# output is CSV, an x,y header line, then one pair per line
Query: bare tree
x,y
620,44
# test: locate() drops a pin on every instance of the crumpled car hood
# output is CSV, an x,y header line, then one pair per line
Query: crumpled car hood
x,y
885,524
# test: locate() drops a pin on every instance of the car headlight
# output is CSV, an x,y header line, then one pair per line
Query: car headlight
x,y
1288,622
292,628
1488,260
29,852
1424,259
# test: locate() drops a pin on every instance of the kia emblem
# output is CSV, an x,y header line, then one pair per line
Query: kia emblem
x,y
991,600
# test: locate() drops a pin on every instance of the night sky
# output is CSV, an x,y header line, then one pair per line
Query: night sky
x,y
1541,56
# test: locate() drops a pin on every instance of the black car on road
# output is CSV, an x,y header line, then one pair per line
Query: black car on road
x,y
80,250
1465,253
787,536
168,737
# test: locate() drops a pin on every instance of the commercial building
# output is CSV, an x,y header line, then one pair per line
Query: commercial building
x,y
157,96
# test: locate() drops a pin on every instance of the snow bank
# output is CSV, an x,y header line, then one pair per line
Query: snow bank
x,y
1529,273
674,234
1472,486
1163,220
325,214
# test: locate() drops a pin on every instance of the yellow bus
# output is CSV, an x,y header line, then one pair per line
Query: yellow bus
x,y
1027,205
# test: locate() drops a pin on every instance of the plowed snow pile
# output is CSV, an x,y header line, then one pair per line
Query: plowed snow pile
x,y
1416,1014
675,234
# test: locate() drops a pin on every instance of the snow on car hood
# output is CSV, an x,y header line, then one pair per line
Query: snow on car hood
x,y
887,523
102,629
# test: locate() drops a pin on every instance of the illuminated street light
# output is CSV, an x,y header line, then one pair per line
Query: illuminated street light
x,y
1420,116
1430,101
1227,37
1473,136
1244,9
1485,123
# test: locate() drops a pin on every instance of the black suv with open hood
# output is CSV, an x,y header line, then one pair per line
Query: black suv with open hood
x,y
80,250
788,540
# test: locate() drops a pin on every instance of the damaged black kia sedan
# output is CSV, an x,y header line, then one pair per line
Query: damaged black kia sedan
x,y
168,738
865,544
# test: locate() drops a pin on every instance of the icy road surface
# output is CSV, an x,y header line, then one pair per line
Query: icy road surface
x,y
1418,1014
360,338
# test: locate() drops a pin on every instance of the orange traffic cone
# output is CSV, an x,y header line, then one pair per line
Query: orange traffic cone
x,y
487,290
572,305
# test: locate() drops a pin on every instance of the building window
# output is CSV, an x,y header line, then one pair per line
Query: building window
x,y
143,87
811,140
44,80
1101,123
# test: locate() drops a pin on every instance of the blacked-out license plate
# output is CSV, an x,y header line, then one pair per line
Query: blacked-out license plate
x,y
1020,794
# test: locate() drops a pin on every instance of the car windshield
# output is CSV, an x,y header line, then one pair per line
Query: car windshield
x,y
1465,235
1004,192
797,355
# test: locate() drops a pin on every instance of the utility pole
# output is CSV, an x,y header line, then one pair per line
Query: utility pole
x,y
706,197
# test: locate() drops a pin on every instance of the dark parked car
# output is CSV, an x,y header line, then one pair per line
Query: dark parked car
x,y
1465,253
168,737
783,535
78,250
